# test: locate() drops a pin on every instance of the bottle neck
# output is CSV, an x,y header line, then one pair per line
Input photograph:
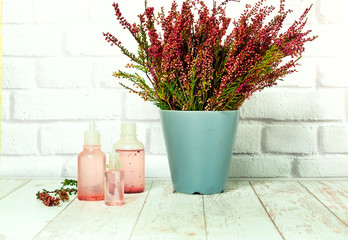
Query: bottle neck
x,y
128,137
91,147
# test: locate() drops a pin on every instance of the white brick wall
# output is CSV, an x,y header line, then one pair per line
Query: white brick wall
x,y
326,45
103,69
61,138
335,166
57,72
334,139
330,72
5,106
35,166
19,139
75,43
62,11
333,12
17,11
295,105
157,145
248,139
137,109
64,73
18,73
265,166
66,104
290,139
32,40
305,77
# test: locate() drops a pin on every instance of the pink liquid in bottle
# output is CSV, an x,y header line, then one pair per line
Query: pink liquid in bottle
x,y
133,165
114,191
91,168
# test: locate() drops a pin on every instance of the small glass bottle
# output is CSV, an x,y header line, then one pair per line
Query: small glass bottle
x,y
114,176
132,158
91,167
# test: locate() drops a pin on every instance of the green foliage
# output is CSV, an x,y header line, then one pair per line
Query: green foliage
x,y
65,187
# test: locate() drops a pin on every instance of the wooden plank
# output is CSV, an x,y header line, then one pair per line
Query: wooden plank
x,y
9,185
339,185
95,220
333,194
168,215
296,213
22,216
238,214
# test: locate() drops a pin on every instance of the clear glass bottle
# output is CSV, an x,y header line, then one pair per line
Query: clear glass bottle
x,y
114,176
91,167
132,158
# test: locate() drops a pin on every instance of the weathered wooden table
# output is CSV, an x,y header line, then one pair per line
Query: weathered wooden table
x,y
247,210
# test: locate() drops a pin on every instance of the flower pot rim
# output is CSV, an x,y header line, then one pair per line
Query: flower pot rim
x,y
199,111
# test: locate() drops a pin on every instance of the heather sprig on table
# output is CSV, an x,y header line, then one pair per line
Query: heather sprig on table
x,y
61,194
192,62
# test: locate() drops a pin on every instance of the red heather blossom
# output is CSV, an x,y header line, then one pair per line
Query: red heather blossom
x,y
48,200
191,62
64,196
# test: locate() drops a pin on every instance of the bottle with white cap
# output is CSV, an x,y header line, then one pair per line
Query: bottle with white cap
x,y
91,167
132,158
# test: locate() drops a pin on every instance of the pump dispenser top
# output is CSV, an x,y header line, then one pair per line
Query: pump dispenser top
x,y
92,136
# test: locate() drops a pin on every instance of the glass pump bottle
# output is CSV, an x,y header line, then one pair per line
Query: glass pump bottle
x,y
91,167
114,176
132,158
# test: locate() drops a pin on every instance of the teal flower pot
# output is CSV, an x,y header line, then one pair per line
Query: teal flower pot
x,y
199,147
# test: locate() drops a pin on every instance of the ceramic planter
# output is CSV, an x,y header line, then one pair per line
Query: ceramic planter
x,y
199,147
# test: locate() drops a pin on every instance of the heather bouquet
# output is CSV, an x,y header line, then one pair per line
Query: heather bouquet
x,y
192,59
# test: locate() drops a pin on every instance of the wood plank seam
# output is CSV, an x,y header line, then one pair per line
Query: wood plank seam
x,y
52,221
323,203
141,210
205,220
17,188
266,211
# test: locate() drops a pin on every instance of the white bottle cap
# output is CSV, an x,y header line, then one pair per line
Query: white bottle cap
x,y
128,129
92,136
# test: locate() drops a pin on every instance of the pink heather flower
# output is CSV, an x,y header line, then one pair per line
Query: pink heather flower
x,y
194,63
